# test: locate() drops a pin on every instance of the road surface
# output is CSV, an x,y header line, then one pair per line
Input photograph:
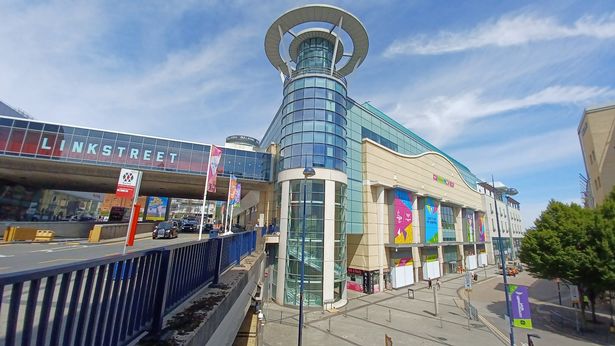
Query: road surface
x,y
24,256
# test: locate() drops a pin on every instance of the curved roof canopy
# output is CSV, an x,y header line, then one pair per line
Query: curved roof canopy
x,y
323,14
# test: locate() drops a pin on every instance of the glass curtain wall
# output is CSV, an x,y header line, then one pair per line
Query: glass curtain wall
x,y
315,214
314,124
340,241
448,223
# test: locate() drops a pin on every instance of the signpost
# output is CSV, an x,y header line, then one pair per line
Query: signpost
x,y
128,185
520,306
467,282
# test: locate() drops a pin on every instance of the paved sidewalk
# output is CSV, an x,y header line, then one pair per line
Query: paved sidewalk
x,y
554,323
368,318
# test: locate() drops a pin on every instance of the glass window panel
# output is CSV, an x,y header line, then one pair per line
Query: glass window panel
x,y
121,152
51,128
308,114
35,126
77,147
20,124
308,137
31,141
106,150
4,136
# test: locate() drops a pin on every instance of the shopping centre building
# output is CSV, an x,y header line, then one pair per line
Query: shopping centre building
x,y
384,207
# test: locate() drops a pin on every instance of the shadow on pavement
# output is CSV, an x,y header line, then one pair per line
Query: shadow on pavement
x,y
559,320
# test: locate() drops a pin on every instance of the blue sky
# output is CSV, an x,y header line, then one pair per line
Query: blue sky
x,y
501,86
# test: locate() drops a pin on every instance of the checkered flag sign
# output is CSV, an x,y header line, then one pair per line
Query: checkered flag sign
x,y
127,178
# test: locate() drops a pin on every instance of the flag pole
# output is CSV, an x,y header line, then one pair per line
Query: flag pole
x,y
228,202
211,148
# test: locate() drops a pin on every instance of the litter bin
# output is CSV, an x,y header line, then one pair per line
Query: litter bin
x,y
213,234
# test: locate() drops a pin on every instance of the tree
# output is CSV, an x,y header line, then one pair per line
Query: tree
x,y
573,243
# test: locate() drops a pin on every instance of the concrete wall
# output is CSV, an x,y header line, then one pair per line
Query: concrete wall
x,y
78,229
62,229
118,230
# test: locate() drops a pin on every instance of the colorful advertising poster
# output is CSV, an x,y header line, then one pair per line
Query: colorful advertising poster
x,y
232,190
237,198
402,262
212,172
468,220
156,208
431,221
520,304
480,225
403,217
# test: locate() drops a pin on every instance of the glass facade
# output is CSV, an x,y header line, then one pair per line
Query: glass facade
x,y
447,219
26,138
315,52
314,124
340,241
314,242
314,236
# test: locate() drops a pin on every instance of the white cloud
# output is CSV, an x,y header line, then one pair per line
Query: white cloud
x,y
531,211
523,155
444,117
505,32
56,67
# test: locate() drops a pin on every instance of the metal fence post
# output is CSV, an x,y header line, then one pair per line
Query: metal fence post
x,y
237,241
219,242
162,288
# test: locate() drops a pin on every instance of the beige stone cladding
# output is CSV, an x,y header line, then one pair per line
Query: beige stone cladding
x,y
429,174
597,136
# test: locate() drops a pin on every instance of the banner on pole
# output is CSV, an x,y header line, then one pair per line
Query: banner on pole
x,y
232,190
520,306
237,198
126,183
212,171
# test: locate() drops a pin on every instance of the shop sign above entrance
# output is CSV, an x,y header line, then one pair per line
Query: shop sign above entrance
x,y
443,180
127,182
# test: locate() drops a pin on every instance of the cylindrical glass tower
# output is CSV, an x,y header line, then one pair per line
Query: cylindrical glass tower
x,y
313,134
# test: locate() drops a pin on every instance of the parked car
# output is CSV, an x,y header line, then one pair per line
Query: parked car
x,y
190,225
238,228
165,229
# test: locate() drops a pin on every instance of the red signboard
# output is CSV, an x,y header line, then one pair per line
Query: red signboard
x,y
126,183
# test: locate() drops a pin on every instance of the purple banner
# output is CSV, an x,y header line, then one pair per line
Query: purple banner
x,y
520,306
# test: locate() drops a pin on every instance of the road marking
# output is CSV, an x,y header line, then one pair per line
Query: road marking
x,y
62,259
7,255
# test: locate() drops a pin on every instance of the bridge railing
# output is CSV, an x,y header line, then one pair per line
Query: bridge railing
x,y
112,300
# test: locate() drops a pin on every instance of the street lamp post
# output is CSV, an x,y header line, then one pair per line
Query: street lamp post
x,y
504,275
307,172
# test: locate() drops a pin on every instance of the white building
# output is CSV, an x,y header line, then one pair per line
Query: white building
x,y
509,215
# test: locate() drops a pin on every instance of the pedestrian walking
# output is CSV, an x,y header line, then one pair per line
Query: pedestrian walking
x,y
438,284
429,283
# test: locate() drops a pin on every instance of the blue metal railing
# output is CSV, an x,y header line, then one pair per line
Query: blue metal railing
x,y
112,300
